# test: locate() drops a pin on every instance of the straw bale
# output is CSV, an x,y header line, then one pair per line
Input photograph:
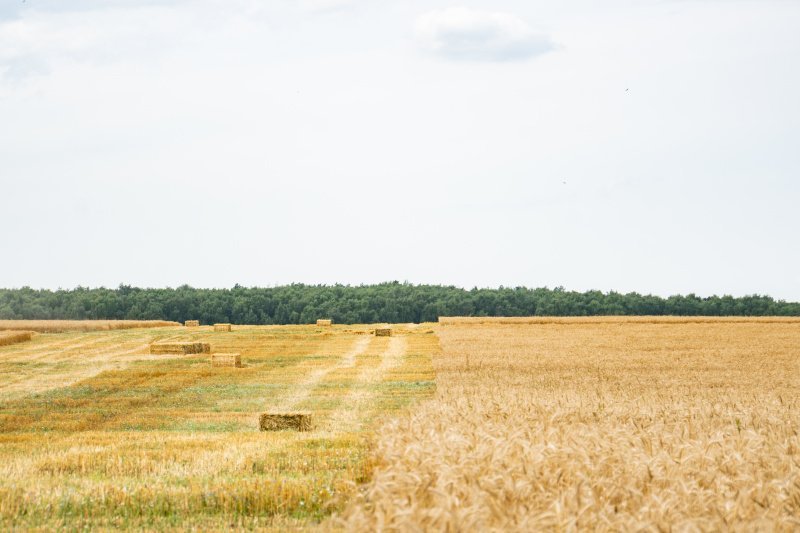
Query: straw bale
x,y
222,327
180,348
300,421
324,322
383,332
13,337
226,359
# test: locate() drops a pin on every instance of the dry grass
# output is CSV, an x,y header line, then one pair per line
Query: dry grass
x,y
222,327
61,326
613,425
192,323
324,322
154,442
383,332
8,338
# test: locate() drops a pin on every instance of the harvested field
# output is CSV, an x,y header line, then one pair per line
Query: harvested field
x,y
158,442
226,359
62,326
14,337
284,421
222,327
612,425
182,348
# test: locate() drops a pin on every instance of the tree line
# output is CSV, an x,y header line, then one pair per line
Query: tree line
x,y
386,302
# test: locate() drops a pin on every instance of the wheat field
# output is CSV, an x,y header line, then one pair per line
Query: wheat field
x,y
610,425
61,326
469,425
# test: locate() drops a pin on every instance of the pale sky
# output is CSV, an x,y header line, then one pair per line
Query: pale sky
x,y
649,146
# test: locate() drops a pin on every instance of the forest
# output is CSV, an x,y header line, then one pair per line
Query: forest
x,y
393,302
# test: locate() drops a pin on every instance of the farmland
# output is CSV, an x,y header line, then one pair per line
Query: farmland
x,y
612,424
472,424
95,431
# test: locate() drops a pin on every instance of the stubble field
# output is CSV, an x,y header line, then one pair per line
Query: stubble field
x,y
96,432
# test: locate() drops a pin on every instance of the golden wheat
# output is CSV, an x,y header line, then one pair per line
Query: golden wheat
x,y
615,425
472,320
61,326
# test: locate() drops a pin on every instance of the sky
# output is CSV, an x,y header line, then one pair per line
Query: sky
x,y
647,145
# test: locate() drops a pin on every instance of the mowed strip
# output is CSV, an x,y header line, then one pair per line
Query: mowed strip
x,y
302,390
350,414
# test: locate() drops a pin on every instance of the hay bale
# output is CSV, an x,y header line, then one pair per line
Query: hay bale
x,y
13,337
222,327
226,359
192,323
383,332
324,322
280,421
179,348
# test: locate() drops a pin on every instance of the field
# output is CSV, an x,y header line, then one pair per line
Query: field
x,y
61,326
611,424
515,425
96,432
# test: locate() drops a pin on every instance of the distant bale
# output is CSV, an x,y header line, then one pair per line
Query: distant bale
x,y
14,337
179,348
324,322
222,327
383,332
192,323
226,359
280,421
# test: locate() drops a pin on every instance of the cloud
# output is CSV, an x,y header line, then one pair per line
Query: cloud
x,y
467,34
31,45
325,6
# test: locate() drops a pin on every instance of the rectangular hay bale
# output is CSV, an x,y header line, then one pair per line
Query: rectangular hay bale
x,y
13,337
226,359
192,323
222,327
280,421
383,332
179,348
324,322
